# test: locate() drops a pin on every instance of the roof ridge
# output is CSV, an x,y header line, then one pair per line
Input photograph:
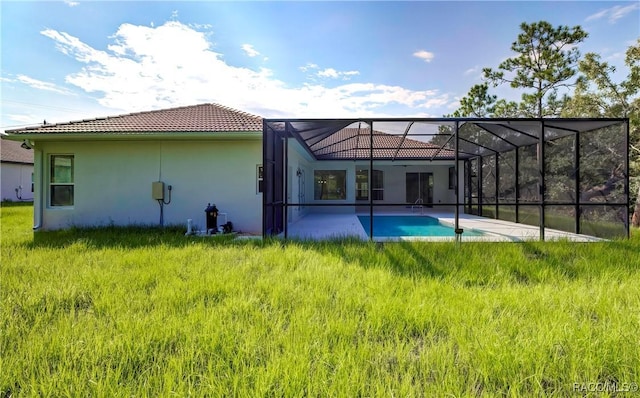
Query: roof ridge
x,y
160,110
152,112
232,110
405,137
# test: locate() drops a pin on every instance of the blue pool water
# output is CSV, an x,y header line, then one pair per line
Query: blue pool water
x,y
396,226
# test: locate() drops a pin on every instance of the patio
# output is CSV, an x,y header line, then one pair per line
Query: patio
x,y
514,179
330,226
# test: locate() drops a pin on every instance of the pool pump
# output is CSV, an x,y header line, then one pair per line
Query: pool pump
x,y
211,218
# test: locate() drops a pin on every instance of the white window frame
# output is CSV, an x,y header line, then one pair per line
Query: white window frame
x,y
52,183
259,179
377,193
343,188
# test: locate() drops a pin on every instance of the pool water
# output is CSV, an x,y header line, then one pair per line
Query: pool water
x,y
396,226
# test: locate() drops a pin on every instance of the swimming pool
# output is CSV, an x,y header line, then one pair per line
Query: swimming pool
x,y
397,226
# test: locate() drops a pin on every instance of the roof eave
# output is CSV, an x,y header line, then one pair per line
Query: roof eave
x,y
16,162
142,135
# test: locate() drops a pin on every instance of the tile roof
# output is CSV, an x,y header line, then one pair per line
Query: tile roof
x,y
191,119
11,151
346,143
353,143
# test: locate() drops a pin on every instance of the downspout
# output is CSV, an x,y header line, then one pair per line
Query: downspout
x,y
541,179
38,185
456,166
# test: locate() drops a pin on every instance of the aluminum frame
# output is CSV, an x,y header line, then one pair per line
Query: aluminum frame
x,y
506,135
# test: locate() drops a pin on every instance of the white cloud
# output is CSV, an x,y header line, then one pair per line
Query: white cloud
x,y
201,25
329,72
71,3
248,48
424,55
173,64
598,15
616,56
619,12
22,119
40,85
614,13
334,74
472,71
308,67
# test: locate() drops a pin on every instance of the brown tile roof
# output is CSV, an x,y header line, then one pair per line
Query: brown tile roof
x,y
194,118
353,143
347,143
10,151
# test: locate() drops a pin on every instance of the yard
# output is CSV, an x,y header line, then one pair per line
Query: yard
x,y
149,312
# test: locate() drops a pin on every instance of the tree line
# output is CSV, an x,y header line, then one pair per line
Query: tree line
x,y
556,80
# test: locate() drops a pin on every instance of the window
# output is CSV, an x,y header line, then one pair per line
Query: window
x,y
259,178
61,180
362,184
419,188
452,177
330,184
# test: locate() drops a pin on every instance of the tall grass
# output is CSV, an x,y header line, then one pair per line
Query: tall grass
x,y
144,312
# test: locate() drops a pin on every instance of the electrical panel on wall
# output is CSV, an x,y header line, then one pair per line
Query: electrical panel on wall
x,y
157,190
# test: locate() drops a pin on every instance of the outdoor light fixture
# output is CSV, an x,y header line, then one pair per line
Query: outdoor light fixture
x,y
26,144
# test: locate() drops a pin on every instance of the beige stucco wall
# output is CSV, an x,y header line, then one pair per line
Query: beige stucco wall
x,y
113,182
299,181
15,176
394,181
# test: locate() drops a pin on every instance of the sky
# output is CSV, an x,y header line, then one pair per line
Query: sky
x,y
70,60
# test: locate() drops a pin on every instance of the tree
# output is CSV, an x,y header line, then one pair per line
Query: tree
x,y
504,108
546,61
477,102
597,94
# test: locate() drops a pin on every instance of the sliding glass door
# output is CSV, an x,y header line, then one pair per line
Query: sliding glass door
x,y
419,188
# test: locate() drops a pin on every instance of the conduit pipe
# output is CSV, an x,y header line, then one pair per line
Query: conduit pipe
x,y
38,210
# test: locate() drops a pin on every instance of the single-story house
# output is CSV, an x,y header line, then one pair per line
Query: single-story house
x,y
105,171
16,171
264,175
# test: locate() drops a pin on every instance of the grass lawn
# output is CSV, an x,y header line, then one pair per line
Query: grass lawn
x,y
135,312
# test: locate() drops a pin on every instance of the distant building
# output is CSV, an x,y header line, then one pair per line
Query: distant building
x,y
16,171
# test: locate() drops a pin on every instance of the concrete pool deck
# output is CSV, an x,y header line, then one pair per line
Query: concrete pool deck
x,y
326,226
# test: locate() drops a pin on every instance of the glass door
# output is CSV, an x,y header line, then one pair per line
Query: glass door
x,y
419,188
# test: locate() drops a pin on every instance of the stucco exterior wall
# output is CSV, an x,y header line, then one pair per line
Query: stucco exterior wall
x,y
299,181
15,176
394,181
350,168
113,182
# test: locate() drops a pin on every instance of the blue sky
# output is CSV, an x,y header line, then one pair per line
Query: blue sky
x,y
70,60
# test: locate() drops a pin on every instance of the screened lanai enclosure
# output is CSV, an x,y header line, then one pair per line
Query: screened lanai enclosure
x,y
451,177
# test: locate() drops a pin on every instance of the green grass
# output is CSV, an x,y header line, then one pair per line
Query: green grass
x,y
144,312
530,215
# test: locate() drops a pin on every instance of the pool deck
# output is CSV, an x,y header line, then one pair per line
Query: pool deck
x,y
326,226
